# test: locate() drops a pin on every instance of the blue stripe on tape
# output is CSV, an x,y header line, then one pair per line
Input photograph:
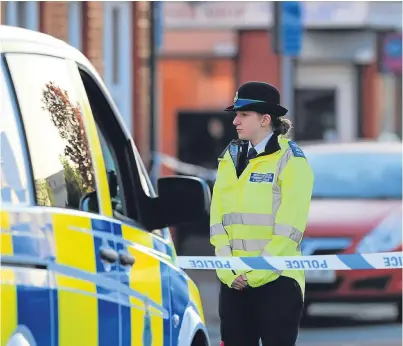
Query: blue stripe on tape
x,y
257,263
355,262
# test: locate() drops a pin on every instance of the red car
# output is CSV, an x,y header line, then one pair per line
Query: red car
x,y
356,208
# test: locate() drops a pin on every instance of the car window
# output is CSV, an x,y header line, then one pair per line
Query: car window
x,y
53,121
356,175
16,187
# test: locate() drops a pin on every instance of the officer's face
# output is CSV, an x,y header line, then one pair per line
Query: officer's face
x,y
250,125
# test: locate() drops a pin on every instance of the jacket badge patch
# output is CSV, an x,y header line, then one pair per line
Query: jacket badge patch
x,y
261,177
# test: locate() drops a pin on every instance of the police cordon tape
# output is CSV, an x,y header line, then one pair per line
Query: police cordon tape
x,y
185,168
385,260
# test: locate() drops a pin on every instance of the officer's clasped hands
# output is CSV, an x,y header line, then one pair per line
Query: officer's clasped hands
x,y
239,283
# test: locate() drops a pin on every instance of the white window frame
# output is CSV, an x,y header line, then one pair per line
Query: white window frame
x,y
342,78
75,28
122,91
32,15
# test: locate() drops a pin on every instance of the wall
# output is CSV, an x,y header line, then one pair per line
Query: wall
x,y
3,12
370,100
209,43
141,78
54,19
256,60
55,22
195,85
93,33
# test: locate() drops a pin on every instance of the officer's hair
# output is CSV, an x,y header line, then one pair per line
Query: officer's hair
x,y
281,126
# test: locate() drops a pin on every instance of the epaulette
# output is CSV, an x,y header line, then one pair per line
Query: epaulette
x,y
296,150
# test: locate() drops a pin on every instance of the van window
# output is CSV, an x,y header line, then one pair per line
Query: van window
x,y
54,125
116,153
131,190
16,187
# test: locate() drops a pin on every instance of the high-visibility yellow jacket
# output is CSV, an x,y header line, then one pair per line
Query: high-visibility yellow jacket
x,y
264,211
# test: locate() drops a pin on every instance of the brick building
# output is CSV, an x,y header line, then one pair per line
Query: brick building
x,y
115,38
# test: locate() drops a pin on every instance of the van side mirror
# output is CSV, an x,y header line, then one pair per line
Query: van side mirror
x,y
182,199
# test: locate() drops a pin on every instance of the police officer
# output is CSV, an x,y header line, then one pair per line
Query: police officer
x,y
260,204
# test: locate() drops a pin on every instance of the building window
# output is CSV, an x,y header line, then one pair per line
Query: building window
x,y
315,115
75,24
54,125
115,45
24,14
118,55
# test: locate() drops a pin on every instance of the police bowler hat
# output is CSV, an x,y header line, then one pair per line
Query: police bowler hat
x,y
259,97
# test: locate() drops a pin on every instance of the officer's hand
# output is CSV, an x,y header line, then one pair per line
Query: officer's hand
x,y
239,283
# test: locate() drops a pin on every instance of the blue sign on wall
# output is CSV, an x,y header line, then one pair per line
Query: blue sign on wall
x,y
291,27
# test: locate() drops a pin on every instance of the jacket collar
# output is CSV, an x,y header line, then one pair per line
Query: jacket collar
x,y
271,147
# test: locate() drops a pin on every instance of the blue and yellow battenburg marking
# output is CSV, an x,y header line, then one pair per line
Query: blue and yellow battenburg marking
x,y
8,294
79,299
26,288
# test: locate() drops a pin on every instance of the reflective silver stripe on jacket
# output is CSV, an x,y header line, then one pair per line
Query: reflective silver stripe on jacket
x,y
276,188
217,229
248,244
224,251
288,231
284,230
280,166
248,219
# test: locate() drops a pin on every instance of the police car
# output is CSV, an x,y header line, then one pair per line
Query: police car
x,y
86,253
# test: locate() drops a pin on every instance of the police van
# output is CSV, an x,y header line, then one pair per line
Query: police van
x,y
86,253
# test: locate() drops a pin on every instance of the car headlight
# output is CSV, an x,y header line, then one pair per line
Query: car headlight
x,y
387,236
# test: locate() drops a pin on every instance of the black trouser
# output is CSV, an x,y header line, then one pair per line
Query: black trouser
x,y
271,313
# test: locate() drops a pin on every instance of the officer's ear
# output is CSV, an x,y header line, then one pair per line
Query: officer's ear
x,y
266,120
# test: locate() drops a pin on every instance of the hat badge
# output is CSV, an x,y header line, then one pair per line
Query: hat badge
x,y
236,97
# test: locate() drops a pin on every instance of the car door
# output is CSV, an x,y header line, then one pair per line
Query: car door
x,y
148,316
83,270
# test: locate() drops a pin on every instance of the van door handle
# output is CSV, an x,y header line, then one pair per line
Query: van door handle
x,y
126,259
108,254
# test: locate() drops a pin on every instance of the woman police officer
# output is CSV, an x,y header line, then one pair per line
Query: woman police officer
x,y
259,207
